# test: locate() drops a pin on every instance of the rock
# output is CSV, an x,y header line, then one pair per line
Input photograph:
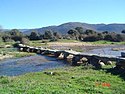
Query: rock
x,y
22,45
50,73
83,59
21,49
8,46
101,63
69,58
79,63
72,77
61,56
109,62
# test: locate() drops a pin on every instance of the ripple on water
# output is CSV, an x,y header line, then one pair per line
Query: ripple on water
x,y
13,67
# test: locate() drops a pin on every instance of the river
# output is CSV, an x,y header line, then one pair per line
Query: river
x,y
107,51
14,67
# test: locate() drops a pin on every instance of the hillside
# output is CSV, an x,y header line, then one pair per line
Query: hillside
x,y
63,28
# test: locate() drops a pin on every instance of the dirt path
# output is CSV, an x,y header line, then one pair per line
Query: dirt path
x,y
75,44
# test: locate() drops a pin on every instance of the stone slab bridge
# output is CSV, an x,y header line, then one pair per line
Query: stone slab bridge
x,y
76,58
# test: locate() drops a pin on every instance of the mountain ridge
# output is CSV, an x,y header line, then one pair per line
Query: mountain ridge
x,y
63,28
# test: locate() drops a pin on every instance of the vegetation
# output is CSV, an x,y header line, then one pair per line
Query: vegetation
x,y
14,52
68,80
108,42
77,33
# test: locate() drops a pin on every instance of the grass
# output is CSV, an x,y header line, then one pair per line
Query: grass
x,y
14,52
2,44
107,42
68,80
39,42
21,54
67,41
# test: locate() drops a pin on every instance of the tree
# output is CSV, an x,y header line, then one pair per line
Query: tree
x,y
105,32
79,29
24,41
100,36
110,37
123,31
74,34
120,37
91,38
90,32
7,38
16,35
57,35
1,39
48,34
34,35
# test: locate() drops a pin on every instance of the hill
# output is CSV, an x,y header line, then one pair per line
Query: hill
x,y
63,28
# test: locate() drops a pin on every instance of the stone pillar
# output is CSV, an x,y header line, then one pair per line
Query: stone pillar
x,y
69,58
61,56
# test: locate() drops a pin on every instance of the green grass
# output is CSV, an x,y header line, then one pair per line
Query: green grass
x,y
21,54
107,42
2,44
67,41
69,80
38,43
14,52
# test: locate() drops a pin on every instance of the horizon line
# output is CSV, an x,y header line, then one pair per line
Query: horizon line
x,y
66,23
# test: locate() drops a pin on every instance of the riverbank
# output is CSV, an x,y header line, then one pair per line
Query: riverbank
x,y
6,53
5,56
68,80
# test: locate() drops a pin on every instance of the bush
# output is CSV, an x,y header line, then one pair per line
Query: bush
x,y
24,41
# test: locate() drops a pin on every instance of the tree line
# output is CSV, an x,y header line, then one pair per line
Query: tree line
x,y
77,33
90,35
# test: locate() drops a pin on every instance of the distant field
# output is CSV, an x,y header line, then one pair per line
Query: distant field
x,y
69,80
108,42
46,42
72,44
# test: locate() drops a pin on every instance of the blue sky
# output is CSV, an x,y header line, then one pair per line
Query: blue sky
x,y
40,13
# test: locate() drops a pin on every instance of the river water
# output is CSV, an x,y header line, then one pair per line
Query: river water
x,y
107,51
14,67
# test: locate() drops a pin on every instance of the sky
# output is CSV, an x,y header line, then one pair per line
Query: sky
x,y
25,14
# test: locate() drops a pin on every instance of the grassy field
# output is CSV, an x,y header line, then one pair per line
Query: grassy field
x,y
14,52
96,42
2,44
38,43
45,43
68,80
108,42
67,41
